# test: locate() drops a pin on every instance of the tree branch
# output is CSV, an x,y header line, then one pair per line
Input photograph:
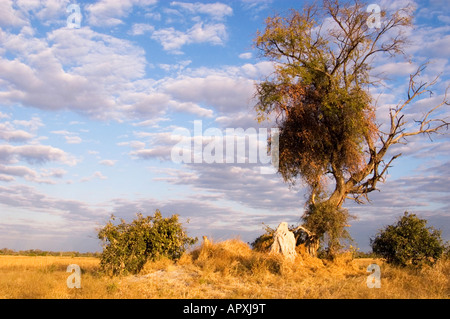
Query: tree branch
x,y
360,184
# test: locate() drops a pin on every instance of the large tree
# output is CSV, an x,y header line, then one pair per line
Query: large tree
x,y
319,95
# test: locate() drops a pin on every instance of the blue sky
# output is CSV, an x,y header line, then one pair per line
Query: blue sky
x,y
88,115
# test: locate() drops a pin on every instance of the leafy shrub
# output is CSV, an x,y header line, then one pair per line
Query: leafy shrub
x,y
127,247
409,242
329,223
263,242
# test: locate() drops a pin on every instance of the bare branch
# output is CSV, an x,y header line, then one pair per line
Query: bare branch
x,y
359,185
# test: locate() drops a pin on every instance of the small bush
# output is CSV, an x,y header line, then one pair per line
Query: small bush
x,y
265,241
409,242
127,247
329,223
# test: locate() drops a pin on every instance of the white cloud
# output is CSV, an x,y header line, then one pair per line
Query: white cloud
x,y
6,178
212,33
137,145
172,40
396,5
108,162
192,108
177,67
256,5
52,10
240,119
217,11
10,16
395,69
225,93
444,19
155,103
205,30
110,73
46,11
53,172
66,63
428,42
34,154
33,125
241,184
10,134
152,122
71,137
161,152
30,199
95,175
90,54
141,28
10,172
107,13
245,56
21,171
153,15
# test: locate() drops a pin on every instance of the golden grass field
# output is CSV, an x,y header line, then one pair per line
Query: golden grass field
x,y
228,269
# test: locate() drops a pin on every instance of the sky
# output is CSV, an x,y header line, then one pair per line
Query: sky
x,y
96,104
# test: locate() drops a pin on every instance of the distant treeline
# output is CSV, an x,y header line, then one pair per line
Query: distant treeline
x,y
38,252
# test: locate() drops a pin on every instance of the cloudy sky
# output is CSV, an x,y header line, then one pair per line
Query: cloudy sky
x,y
90,118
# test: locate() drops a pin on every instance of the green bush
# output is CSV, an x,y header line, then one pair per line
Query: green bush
x,y
409,242
127,247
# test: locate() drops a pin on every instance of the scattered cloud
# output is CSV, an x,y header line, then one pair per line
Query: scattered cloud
x,y
28,198
243,184
217,11
256,7
108,13
95,175
108,162
141,28
10,134
208,27
34,154
173,40
246,55
71,137
226,94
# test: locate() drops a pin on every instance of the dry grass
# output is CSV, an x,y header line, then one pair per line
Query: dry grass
x,y
228,269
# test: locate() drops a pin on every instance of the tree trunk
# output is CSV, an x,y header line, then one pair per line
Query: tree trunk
x,y
312,245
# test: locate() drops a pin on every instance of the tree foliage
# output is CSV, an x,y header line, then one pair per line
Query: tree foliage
x,y
323,110
128,246
409,241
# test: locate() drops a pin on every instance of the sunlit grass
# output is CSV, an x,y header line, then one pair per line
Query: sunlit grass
x,y
228,269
